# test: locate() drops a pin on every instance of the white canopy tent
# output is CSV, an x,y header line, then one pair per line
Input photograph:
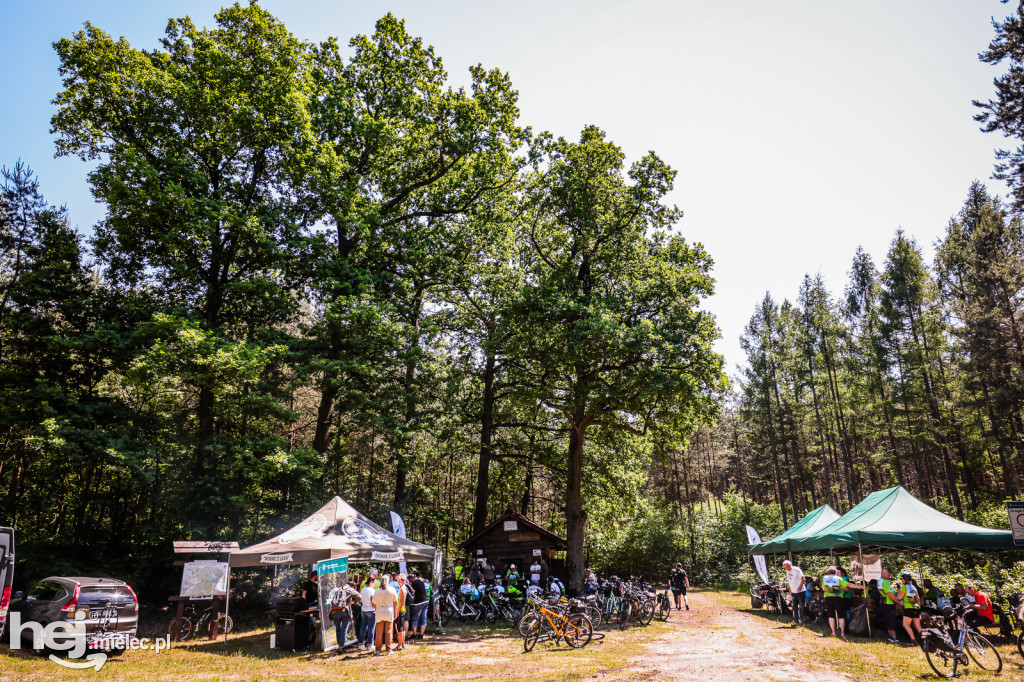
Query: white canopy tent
x,y
335,530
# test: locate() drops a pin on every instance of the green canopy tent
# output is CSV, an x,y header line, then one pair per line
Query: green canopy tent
x,y
814,521
895,519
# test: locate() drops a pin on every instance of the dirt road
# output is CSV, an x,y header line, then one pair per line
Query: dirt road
x,y
713,641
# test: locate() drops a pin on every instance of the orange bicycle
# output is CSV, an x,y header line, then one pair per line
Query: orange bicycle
x,y
575,628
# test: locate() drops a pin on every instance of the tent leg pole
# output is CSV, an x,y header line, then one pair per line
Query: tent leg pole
x,y
227,606
860,556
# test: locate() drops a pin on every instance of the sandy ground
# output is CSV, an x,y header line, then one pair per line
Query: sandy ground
x,y
713,641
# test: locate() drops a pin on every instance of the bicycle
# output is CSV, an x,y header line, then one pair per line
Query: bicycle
x,y
576,629
944,654
190,628
664,607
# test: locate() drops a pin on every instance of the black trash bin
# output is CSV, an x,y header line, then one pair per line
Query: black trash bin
x,y
291,628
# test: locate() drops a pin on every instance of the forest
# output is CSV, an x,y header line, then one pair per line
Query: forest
x,y
326,269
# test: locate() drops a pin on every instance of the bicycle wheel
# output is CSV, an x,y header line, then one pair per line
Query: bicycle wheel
x,y
646,613
531,636
983,653
526,623
942,662
579,630
224,624
184,630
625,613
595,616
1020,643
663,611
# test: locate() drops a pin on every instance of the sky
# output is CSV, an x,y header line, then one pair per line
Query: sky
x,y
799,130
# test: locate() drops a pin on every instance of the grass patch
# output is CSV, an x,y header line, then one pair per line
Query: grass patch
x,y
466,652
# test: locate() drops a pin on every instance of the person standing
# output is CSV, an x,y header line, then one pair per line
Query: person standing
x,y
847,586
341,613
487,572
401,610
887,605
544,572
535,573
835,607
311,590
680,583
474,573
512,576
418,607
795,583
384,601
908,593
368,616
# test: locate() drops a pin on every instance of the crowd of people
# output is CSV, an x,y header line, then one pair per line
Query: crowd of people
x,y
470,579
885,599
386,610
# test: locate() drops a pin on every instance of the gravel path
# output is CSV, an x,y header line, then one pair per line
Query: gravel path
x,y
713,641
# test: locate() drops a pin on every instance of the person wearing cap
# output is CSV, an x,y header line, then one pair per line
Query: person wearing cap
x,y
512,576
907,592
887,605
680,583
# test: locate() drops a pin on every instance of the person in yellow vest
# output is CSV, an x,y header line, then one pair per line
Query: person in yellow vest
x,y
887,605
908,593
846,590
835,607
458,572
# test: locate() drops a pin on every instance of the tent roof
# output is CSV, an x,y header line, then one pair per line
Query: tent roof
x,y
810,524
893,518
335,530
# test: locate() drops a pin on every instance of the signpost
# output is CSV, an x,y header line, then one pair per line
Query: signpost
x,y
1015,510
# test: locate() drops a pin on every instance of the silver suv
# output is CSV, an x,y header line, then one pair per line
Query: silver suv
x,y
108,608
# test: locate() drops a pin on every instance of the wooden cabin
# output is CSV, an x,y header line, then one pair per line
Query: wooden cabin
x,y
514,539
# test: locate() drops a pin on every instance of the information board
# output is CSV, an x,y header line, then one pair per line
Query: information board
x,y
1015,510
204,579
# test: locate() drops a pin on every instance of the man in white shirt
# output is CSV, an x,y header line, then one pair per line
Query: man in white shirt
x,y
535,572
795,580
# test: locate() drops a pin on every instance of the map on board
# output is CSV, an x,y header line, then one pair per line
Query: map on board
x,y
203,579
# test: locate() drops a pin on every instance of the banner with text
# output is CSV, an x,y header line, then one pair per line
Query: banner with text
x,y
333,576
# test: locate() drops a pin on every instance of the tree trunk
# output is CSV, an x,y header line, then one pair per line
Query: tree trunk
x,y
486,433
575,518
324,417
